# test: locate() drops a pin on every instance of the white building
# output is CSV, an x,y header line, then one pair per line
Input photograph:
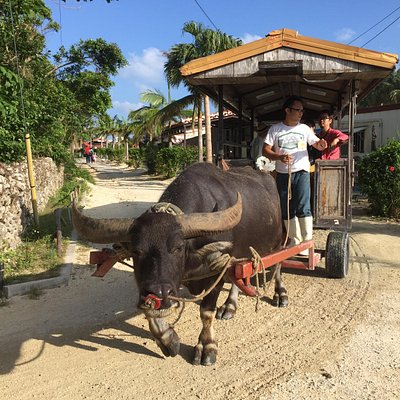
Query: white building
x,y
374,127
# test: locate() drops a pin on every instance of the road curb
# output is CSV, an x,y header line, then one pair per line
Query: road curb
x,y
20,289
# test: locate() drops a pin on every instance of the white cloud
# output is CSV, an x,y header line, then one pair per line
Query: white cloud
x,y
344,34
145,69
124,107
248,37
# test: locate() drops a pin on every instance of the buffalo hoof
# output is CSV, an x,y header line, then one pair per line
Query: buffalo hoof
x,y
170,345
280,300
226,311
205,355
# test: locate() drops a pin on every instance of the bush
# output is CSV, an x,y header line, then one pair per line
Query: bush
x,y
116,154
170,161
150,153
136,157
379,178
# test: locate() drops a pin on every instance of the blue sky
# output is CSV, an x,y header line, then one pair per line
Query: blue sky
x,y
144,29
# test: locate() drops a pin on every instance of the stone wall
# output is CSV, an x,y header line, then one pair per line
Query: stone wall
x,y
16,210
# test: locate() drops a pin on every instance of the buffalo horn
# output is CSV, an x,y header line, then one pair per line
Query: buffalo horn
x,y
103,230
202,224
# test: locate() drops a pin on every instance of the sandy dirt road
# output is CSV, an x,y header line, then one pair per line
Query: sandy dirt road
x,y
338,339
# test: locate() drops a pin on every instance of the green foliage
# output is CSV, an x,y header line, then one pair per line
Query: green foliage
x,y
170,161
206,41
136,157
379,178
12,147
150,154
9,83
51,103
387,92
28,101
117,154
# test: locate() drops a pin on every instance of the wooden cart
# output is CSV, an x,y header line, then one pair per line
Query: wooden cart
x,y
253,82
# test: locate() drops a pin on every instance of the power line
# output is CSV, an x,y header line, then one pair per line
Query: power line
x,y
372,27
201,8
383,30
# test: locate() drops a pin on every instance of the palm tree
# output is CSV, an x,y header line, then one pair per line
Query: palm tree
x,y
144,116
387,92
206,42
152,119
395,95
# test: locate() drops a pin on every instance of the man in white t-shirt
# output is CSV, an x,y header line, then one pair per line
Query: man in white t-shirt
x,y
286,143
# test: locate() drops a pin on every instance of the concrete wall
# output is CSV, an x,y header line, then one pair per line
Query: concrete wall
x,y
15,196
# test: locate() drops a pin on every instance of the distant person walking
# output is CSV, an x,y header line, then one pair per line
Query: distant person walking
x,y
88,154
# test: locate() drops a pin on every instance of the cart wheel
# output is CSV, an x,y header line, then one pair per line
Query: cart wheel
x,y
337,254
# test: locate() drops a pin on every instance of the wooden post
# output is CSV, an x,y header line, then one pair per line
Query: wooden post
x,y
57,214
1,277
220,147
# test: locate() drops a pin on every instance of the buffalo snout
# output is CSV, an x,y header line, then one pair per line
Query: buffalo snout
x,y
160,291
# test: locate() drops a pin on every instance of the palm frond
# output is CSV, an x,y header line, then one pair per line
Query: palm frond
x,y
174,109
154,97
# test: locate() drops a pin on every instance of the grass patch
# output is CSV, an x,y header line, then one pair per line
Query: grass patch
x,y
36,257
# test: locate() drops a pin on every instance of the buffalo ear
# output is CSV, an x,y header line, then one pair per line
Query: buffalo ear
x,y
210,257
213,256
212,248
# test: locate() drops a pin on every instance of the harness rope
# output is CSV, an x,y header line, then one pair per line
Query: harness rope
x,y
257,259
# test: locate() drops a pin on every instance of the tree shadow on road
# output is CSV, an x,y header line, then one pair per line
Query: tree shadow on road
x,y
76,315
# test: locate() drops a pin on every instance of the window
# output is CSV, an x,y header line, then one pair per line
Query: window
x,y
358,141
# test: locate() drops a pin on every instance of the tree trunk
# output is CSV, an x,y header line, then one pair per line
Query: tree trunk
x,y
200,134
208,129
184,133
126,150
194,119
73,144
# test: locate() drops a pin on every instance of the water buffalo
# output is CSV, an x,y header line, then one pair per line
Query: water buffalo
x,y
209,212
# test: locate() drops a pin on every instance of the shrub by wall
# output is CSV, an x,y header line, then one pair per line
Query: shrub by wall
x,y
379,178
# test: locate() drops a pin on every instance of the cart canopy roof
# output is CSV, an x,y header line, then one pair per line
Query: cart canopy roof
x,y
258,76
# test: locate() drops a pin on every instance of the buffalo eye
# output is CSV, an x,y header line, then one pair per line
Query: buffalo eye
x,y
136,253
176,249
175,244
